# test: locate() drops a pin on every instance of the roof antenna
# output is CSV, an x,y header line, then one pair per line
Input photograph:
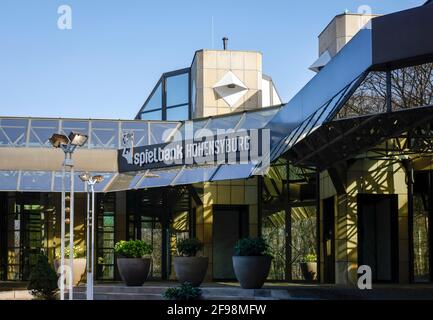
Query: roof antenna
x,y
225,40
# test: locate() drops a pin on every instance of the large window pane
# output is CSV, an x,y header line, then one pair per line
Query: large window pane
x,y
41,131
412,86
178,113
35,181
69,126
368,98
139,130
154,115
177,89
8,180
304,242
104,135
13,132
274,231
155,101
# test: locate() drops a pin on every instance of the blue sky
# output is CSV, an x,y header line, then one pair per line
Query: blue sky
x,y
108,63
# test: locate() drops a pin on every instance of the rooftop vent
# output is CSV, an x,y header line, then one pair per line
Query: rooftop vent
x,y
225,40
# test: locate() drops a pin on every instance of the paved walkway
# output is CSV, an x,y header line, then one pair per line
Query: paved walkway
x,y
231,290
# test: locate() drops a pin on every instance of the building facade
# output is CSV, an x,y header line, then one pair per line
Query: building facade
x,y
349,175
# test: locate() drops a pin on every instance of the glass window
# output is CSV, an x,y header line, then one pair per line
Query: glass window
x,y
79,185
69,126
304,241
8,180
155,101
177,89
35,181
139,131
368,98
178,113
104,135
13,132
154,115
412,86
41,131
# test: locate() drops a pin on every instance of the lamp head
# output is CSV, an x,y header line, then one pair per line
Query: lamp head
x,y
85,176
98,178
77,139
57,140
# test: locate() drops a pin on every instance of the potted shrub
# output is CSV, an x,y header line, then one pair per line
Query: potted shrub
x,y
43,279
251,262
188,267
184,292
309,267
79,263
132,262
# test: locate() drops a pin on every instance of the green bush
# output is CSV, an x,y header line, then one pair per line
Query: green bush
x,y
43,279
252,247
78,252
184,292
312,257
188,247
133,248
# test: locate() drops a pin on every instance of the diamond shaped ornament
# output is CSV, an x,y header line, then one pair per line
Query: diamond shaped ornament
x,y
230,88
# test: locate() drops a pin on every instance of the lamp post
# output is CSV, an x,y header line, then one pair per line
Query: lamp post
x,y
68,144
90,242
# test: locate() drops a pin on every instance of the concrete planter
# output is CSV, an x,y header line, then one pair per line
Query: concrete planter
x,y
191,269
309,270
79,268
251,271
133,271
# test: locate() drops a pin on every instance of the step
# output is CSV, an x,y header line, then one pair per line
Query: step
x,y
152,292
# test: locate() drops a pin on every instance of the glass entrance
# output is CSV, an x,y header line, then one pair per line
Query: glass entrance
x,y
160,216
27,224
289,222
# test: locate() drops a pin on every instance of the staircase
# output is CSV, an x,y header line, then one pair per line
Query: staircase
x,y
154,292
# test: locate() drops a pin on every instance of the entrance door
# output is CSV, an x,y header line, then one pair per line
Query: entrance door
x,y
378,238
328,240
229,224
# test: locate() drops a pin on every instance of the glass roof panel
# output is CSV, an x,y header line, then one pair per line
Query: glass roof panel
x,y
224,123
257,119
35,181
162,178
351,62
13,132
191,127
99,187
195,174
78,184
160,131
122,181
8,180
233,171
